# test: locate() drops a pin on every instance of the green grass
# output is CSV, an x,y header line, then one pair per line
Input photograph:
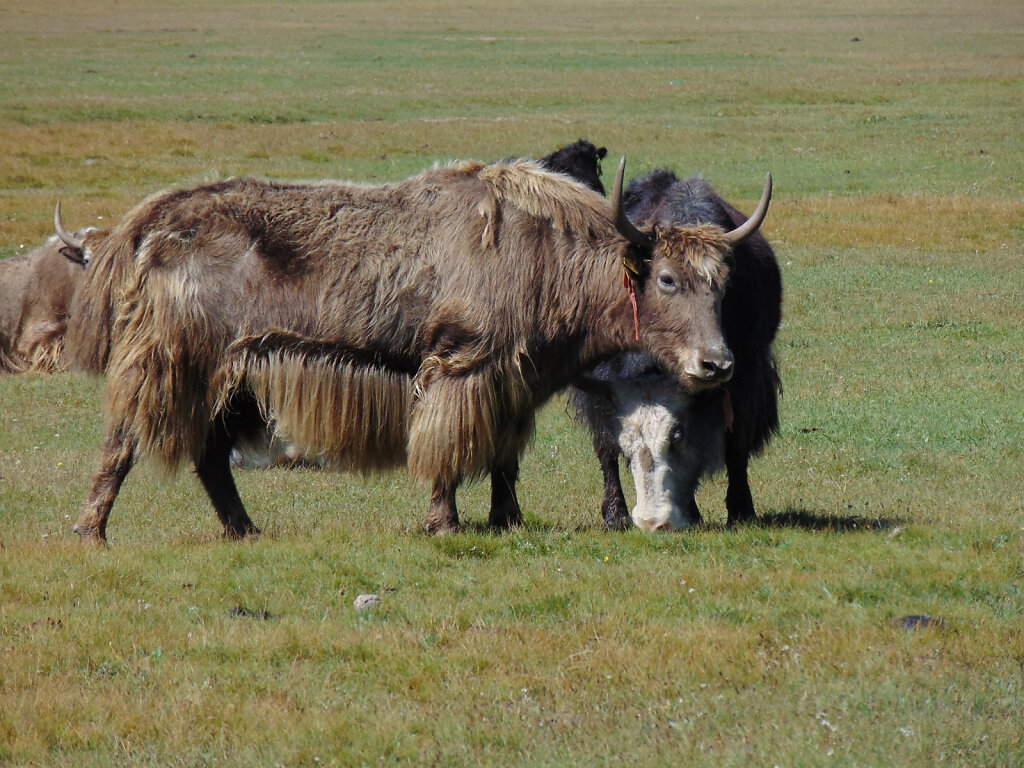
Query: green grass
x,y
894,489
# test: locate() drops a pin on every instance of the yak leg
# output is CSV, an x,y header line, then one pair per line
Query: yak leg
x,y
116,461
613,505
505,510
214,472
694,511
443,516
738,500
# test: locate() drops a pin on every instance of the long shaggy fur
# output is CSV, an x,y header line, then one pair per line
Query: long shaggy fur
x,y
10,363
368,411
460,421
47,347
344,407
90,327
157,312
160,365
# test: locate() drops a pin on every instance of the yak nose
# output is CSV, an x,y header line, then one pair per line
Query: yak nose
x,y
656,521
717,364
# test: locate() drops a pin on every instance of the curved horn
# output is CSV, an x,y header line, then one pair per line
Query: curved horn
x,y
751,225
66,237
622,222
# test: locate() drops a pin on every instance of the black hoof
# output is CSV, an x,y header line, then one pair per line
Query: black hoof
x,y
618,523
241,532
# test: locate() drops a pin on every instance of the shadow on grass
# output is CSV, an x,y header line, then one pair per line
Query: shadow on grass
x,y
808,520
797,518
803,519
535,525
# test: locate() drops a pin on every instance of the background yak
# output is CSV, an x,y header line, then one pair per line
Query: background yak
x,y
672,438
580,160
421,322
36,290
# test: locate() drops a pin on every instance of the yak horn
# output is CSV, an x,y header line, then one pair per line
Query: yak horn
x,y
751,225
622,223
594,386
66,237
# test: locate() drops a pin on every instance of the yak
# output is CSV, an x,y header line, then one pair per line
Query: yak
x,y
580,160
36,291
671,437
418,323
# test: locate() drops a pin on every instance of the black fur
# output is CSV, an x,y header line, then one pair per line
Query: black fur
x,y
581,161
751,314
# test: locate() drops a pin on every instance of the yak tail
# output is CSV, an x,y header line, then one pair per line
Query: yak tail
x,y
350,407
755,399
93,308
163,353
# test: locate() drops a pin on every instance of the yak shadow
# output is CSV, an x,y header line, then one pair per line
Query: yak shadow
x,y
795,518
808,520
530,525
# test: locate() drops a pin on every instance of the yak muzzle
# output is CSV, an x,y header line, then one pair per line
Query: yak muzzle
x,y
710,366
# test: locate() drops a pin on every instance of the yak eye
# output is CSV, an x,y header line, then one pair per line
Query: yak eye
x,y
667,281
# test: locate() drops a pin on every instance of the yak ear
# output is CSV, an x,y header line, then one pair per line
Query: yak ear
x,y
594,386
636,265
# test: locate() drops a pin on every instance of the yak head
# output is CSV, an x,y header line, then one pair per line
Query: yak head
x,y
670,441
669,438
677,276
74,248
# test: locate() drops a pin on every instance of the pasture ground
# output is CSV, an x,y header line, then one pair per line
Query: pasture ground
x,y
894,489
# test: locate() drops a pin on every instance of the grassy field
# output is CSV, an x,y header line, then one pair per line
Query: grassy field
x,y
895,489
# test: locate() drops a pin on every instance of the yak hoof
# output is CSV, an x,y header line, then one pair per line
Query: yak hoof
x,y
618,523
740,515
616,517
237,533
503,521
733,522
443,529
90,534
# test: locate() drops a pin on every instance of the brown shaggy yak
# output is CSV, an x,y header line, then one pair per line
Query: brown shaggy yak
x,y
36,290
417,323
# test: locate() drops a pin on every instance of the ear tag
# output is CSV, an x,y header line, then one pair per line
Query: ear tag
x,y
628,284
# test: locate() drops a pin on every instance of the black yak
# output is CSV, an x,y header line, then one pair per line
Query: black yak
x,y
670,437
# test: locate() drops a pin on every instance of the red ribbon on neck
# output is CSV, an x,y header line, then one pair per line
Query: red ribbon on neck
x,y
627,283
